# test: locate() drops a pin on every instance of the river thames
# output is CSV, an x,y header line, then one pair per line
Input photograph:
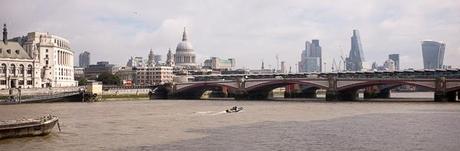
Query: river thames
x,y
262,125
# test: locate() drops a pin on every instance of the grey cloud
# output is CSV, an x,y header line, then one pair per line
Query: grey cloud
x,y
248,30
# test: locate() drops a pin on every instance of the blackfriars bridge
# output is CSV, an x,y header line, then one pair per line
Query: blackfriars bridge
x,y
338,86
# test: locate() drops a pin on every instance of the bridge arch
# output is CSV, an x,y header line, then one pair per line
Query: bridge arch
x,y
195,91
393,83
262,90
280,83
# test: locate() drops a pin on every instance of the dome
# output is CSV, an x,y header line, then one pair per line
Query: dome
x,y
184,46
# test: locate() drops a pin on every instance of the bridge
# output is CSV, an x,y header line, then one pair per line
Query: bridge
x,y
338,86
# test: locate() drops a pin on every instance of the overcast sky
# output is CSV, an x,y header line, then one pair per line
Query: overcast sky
x,y
248,30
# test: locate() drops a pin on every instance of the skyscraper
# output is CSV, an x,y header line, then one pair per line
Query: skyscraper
x,y
395,58
84,59
355,60
310,60
433,54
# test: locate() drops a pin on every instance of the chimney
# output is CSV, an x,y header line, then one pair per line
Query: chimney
x,y
5,34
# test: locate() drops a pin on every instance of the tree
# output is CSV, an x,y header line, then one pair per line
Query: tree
x,y
109,79
82,81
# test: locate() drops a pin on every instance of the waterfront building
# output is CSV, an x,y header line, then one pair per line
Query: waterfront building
x,y
354,62
185,55
136,62
153,75
395,58
126,75
17,68
433,54
311,57
84,59
93,71
216,63
53,56
36,60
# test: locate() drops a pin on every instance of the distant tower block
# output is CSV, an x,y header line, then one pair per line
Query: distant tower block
x,y
355,60
433,54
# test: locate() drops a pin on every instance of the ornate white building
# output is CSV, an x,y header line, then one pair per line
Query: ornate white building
x,y
185,55
54,57
36,60
17,68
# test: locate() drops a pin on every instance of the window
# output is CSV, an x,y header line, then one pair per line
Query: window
x,y
12,69
21,69
29,69
17,52
21,82
8,51
46,51
2,82
3,68
29,82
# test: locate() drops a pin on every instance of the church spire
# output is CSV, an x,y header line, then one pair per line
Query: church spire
x,y
184,35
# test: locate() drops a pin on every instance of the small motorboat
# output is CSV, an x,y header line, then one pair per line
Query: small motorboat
x,y
234,109
28,127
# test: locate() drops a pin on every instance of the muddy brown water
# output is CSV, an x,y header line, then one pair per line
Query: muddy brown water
x,y
262,125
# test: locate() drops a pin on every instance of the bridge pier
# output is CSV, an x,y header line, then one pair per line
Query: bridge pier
x,y
440,96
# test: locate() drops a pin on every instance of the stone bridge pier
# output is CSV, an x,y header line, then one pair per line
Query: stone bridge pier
x,y
441,93
333,93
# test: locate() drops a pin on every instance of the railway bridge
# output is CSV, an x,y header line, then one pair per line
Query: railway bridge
x,y
445,89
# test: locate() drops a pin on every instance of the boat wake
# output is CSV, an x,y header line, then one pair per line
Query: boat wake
x,y
210,113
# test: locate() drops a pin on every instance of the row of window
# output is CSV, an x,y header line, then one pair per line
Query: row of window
x,y
14,70
60,43
151,77
64,72
149,73
20,82
9,51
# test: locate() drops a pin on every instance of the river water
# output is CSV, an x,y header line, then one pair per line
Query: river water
x,y
262,125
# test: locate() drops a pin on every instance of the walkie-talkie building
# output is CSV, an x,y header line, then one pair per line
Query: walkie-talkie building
x,y
433,54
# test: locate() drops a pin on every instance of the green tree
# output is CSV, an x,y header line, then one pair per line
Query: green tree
x,y
109,79
82,81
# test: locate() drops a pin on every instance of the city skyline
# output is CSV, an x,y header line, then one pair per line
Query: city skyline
x,y
277,28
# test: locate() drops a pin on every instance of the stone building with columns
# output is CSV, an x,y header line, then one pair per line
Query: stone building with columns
x,y
185,55
17,68
36,60
54,57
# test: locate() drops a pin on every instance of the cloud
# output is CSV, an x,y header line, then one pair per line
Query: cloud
x,y
246,30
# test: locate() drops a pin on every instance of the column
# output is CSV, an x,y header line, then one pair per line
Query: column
x,y
331,92
440,93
